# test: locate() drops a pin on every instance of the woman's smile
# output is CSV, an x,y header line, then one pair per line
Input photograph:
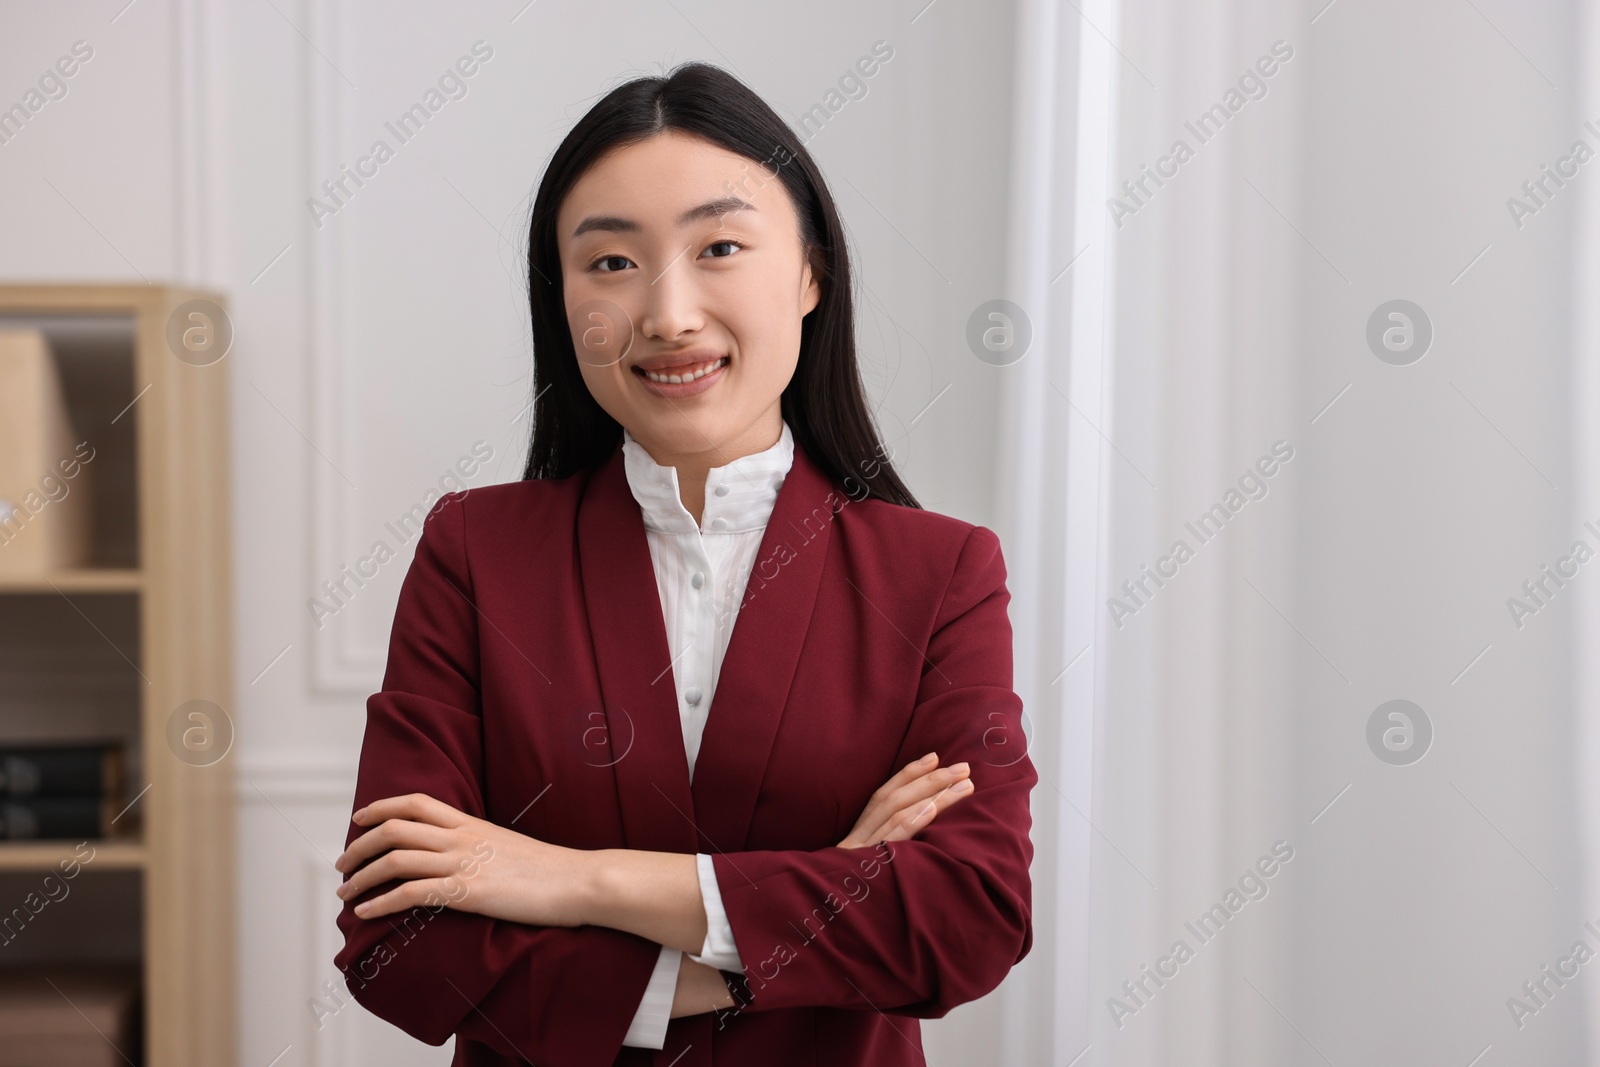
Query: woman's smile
x,y
676,380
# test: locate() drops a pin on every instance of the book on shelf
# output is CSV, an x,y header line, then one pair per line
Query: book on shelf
x,y
57,791
53,818
59,770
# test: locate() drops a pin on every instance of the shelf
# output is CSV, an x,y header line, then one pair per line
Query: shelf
x,y
115,639
87,580
43,855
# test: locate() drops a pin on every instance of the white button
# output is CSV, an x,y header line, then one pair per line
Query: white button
x,y
721,490
719,524
698,580
692,695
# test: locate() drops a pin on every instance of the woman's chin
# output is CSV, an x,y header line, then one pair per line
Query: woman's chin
x,y
684,432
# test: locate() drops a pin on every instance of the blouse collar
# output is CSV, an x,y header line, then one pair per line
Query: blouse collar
x,y
739,495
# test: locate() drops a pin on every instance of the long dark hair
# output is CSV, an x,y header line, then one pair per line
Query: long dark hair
x,y
824,403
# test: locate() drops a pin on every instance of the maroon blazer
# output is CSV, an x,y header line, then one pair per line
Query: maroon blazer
x,y
529,684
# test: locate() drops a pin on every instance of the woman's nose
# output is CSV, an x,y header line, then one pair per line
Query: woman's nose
x,y
671,303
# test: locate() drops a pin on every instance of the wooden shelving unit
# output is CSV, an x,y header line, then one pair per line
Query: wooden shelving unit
x,y
162,576
87,580
45,855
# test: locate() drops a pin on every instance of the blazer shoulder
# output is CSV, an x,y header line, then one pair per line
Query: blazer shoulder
x,y
525,512
919,524
944,542
537,495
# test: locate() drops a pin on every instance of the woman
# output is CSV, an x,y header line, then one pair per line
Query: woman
x,y
564,851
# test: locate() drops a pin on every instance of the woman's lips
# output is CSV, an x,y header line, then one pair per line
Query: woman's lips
x,y
709,372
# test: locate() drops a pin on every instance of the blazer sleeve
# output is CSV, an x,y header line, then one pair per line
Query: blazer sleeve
x,y
544,994
914,927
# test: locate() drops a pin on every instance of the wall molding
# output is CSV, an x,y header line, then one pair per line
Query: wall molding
x,y
335,1044
338,667
307,776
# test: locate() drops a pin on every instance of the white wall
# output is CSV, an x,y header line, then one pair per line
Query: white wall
x,y
373,351
1376,167
1432,496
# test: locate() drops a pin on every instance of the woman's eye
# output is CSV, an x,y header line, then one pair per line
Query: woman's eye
x,y
729,245
609,264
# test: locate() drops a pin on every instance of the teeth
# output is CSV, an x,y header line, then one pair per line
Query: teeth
x,y
679,379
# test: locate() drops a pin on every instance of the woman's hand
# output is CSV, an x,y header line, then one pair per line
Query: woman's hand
x,y
700,989
452,859
905,804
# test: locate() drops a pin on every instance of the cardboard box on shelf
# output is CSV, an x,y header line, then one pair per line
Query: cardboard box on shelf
x,y
46,497
81,1016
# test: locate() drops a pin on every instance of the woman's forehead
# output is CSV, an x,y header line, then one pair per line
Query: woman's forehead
x,y
673,181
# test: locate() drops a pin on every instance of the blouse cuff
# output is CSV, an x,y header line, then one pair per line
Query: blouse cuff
x,y
719,951
649,1026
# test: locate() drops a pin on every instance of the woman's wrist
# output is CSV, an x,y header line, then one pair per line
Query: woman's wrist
x,y
589,884
655,895
605,892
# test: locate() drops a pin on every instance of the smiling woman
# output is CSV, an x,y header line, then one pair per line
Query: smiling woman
x,y
556,859
716,297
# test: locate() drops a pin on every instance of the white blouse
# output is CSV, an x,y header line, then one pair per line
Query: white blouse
x,y
701,573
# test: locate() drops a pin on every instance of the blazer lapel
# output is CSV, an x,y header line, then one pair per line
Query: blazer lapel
x,y
763,652
660,811
631,653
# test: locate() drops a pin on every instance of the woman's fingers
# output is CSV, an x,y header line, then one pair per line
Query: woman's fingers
x,y
904,793
899,792
879,817
418,892
399,863
907,774
908,822
394,833
922,788
419,807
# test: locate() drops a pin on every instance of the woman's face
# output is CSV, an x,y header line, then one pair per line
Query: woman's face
x,y
680,258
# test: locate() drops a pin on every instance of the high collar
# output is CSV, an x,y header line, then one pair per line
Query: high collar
x,y
739,495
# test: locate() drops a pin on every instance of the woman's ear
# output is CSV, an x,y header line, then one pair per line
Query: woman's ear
x,y
811,288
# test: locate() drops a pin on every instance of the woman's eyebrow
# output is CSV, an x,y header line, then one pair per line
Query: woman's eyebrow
x,y
722,205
